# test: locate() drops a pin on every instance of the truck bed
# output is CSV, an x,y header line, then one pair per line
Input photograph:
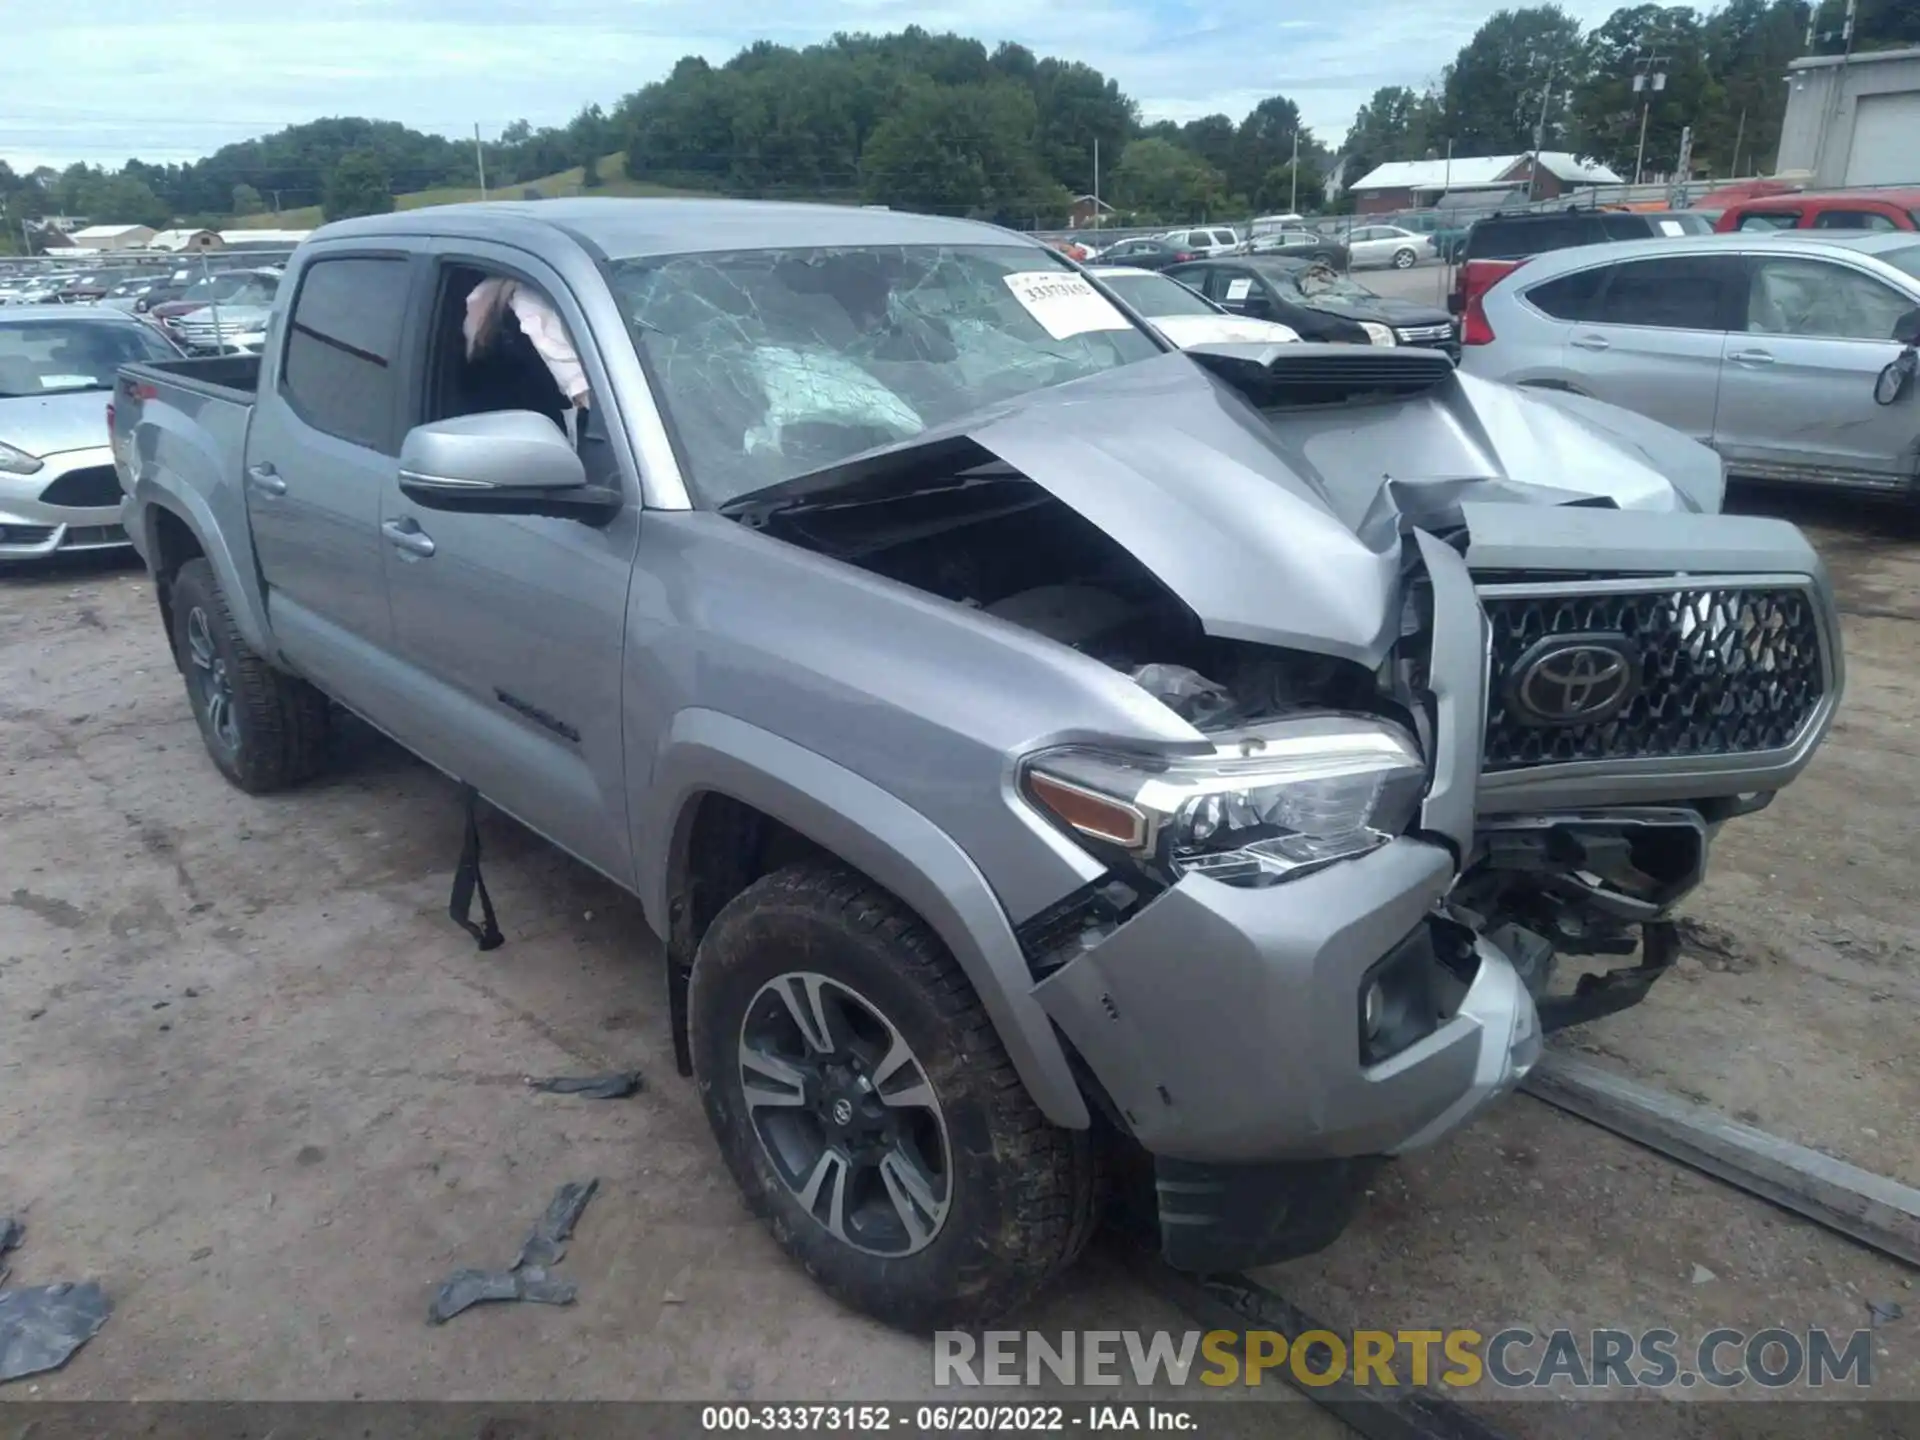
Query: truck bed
x,y
227,377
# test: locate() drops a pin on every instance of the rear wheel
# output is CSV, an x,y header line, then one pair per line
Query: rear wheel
x,y
868,1112
265,730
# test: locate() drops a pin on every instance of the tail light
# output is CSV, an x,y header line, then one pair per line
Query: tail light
x,y
109,417
1474,329
1181,257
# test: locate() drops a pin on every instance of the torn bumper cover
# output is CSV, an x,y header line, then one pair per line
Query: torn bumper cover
x,y
1233,1033
1229,1025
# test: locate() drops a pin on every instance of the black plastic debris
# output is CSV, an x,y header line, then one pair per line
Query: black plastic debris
x,y
42,1325
616,1086
1884,1312
466,1288
528,1280
547,1244
12,1232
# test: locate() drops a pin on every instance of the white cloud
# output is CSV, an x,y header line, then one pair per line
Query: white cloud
x,y
176,79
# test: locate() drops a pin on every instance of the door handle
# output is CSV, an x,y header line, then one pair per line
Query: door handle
x,y
1591,342
407,536
265,479
1751,357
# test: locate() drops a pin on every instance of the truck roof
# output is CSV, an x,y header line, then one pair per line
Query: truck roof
x,y
625,228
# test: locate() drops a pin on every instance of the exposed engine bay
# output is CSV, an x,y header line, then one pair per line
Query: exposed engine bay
x,y
1598,883
996,542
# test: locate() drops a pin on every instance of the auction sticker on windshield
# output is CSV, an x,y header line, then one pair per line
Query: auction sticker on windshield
x,y
1065,305
1239,289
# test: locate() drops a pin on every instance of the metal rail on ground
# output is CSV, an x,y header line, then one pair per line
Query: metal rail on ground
x,y
1877,1211
1240,1303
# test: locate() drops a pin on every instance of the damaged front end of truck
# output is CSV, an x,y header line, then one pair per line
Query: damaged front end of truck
x,y
1472,678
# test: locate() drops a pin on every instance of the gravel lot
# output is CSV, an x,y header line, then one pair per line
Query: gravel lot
x,y
254,1081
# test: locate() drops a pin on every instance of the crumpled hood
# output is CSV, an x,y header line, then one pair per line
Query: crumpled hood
x,y
1188,478
1284,529
44,425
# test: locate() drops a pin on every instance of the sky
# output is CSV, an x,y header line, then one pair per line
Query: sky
x,y
102,80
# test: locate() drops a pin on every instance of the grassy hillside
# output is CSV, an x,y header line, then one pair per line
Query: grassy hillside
x,y
613,177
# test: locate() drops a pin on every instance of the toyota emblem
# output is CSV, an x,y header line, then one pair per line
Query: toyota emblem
x,y
1575,679
842,1111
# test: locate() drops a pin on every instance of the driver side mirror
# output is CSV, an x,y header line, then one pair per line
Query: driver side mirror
x,y
504,462
1906,330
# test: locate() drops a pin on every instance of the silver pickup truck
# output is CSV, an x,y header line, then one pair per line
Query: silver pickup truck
x,y
1043,754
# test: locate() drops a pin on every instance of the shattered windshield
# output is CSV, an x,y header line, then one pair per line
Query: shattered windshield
x,y
771,364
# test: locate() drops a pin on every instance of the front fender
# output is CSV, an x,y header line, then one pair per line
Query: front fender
x,y
886,839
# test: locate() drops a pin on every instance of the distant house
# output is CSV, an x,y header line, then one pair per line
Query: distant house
x,y
1087,212
185,241
1415,184
261,239
113,237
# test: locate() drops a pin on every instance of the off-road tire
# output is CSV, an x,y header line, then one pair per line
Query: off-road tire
x,y
1023,1190
281,722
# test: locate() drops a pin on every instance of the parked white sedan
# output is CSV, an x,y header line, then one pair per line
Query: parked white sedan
x,y
1184,316
1387,245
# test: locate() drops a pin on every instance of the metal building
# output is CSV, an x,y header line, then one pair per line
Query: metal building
x,y
1853,120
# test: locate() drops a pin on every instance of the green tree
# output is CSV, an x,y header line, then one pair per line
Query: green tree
x,y
1075,108
1210,137
1396,124
1277,190
1650,39
960,150
246,200
1495,87
1159,180
359,185
1749,43
1878,25
1265,139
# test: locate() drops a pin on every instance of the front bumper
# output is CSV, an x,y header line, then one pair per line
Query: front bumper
x,y
1224,1023
32,527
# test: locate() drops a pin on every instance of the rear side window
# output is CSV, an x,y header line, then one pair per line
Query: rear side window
x,y
1571,297
1679,292
345,328
1852,220
1769,220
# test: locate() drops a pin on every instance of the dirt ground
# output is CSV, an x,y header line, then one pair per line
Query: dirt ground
x,y
254,1081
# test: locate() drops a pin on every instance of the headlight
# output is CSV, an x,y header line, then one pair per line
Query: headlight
x,y
1268,804
16,462
1376,333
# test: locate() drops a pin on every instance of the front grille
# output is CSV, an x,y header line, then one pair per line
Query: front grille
x,y
94,486
1725,669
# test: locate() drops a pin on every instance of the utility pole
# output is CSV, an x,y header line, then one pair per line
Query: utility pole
x,y
1647,81
1540,134
1738,135
1096,182
480,159
1293,199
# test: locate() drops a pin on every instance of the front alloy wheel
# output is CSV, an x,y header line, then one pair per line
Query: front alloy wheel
x,y
845,1113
